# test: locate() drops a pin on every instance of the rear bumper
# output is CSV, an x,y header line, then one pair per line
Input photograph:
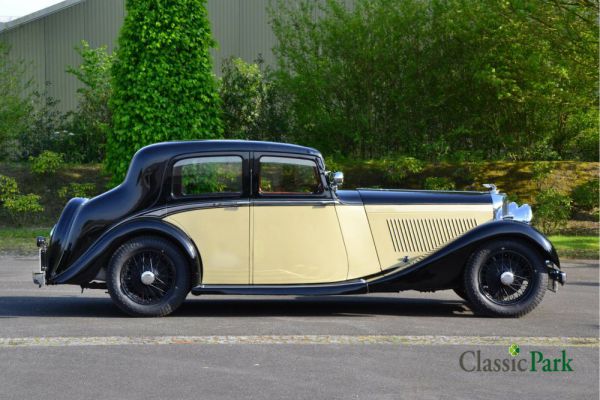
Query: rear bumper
x,y
39,273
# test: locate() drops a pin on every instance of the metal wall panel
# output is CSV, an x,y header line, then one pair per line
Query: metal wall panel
x,y
27,43
256,36
103,21
240,27
64,31
225,26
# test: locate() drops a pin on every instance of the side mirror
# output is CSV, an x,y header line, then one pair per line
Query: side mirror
x,y
337,179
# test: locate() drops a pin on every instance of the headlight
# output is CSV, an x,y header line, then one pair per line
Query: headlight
x,y
505,210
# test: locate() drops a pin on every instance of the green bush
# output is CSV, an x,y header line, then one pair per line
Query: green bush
x,y
75,189
92,120
47,163
585,196
163,85
22,207
397,169
15,104
8,188
242,91
439,183
253,105
504,80
552,210
46,129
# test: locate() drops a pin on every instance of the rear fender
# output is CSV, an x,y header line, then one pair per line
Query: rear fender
x,y
85,268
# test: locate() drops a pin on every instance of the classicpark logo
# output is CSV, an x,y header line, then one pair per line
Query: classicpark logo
x,y
535,361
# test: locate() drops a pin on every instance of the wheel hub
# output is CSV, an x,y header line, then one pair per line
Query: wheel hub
x,y
148,277
507,278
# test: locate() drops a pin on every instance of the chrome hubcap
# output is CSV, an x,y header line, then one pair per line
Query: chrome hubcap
x,y
507,278
148,278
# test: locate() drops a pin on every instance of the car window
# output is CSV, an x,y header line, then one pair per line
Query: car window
x,y
208,176
282,175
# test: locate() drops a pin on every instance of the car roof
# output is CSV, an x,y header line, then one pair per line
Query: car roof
x,y
174,148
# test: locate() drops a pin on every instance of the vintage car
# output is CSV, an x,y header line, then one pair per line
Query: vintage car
x,y
262,218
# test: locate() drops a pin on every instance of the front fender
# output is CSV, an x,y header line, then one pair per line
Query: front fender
x,y
84,269
443,268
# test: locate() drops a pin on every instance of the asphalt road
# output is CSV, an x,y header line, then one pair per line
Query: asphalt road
x,y
56,343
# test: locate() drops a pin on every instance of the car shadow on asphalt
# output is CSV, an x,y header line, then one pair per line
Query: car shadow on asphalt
x,y
348,306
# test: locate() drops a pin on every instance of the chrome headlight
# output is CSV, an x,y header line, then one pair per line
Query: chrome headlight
x,y
505,210
521,213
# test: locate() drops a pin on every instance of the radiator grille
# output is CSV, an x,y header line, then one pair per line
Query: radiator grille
x,y
422,235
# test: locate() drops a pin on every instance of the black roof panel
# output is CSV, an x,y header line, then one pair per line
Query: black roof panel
x,y
197,146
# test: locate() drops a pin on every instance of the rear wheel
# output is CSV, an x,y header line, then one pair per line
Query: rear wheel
x,y
148,277
505,278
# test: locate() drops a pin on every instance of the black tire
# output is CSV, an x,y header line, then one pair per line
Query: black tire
x,y
460,292
484,289
170,277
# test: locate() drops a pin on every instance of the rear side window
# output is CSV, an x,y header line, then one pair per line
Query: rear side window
x,y
285,176
208,176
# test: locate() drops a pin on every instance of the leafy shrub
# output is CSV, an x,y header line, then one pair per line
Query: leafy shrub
x,y
540,171
15,105
242,90
552,210
398,169
253,105
92,120
21,207
45,128
75,189
47,163
439,183
163,85
8,188
355,73
585,196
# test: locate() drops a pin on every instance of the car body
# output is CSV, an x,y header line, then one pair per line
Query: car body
x,y
248,217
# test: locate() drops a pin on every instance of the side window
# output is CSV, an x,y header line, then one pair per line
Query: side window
x,y
208,176
281,176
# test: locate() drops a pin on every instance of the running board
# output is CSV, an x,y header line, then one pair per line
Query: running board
x,y
358,286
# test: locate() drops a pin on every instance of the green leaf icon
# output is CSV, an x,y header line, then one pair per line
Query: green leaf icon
x,y
514,350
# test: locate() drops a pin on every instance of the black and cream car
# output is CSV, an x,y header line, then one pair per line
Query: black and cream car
x,y
261,218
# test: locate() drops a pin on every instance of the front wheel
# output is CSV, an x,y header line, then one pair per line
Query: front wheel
x,y
505,278
148,277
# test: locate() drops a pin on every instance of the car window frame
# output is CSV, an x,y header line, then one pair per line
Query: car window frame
x,y
256,195
244,194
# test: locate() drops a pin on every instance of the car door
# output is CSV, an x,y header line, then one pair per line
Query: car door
x,y
296,236
210,202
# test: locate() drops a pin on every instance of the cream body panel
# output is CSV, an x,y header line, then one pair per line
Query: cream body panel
x,y
362,256
222,236
405,233
297,244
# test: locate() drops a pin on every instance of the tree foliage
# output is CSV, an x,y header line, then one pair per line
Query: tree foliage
x,y
254,106
451,79
15,106
163,86
92,120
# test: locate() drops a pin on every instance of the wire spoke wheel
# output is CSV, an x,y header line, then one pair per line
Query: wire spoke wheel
x,y
506,277
148,276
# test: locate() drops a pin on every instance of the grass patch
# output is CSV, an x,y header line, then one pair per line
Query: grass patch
x,y
576,246
20,241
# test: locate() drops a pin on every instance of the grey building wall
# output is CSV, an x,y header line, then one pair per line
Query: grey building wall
x,y
46,40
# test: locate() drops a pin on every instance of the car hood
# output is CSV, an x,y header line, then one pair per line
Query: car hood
x,y
386,196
